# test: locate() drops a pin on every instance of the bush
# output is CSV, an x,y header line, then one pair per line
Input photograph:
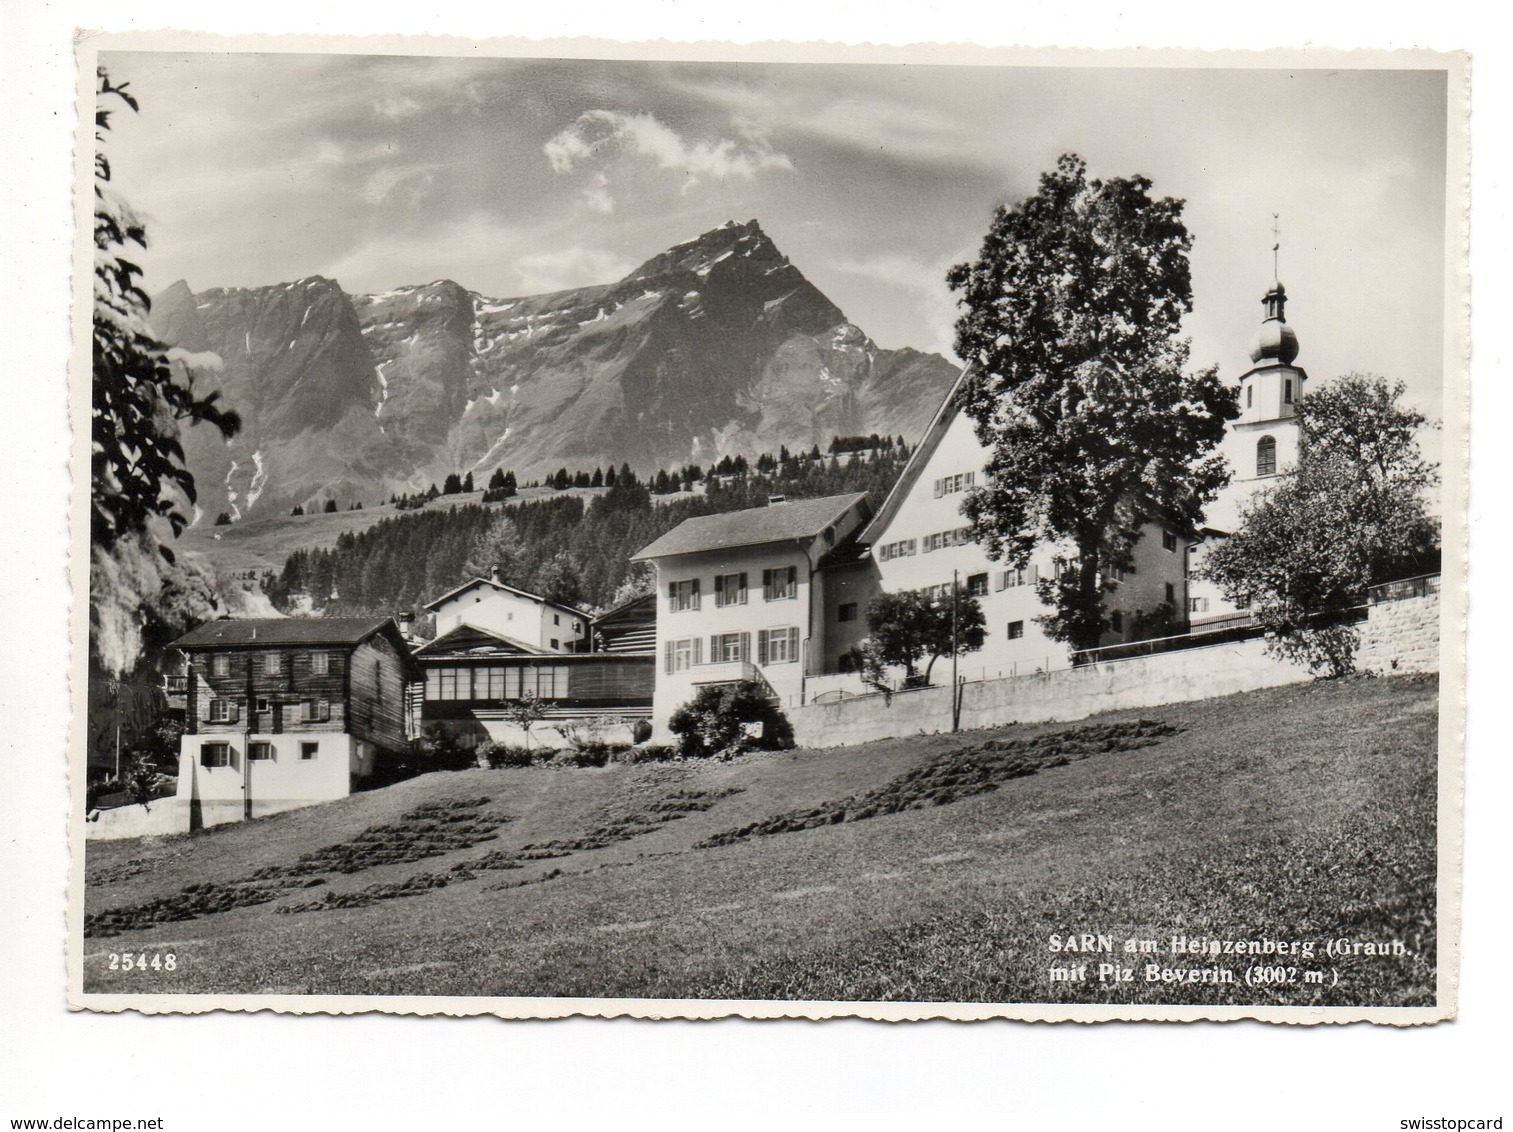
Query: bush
x,y
588,754
438,749
500,755
647,753
726,720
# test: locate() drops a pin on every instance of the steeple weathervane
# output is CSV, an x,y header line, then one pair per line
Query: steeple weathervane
x,y
1276,244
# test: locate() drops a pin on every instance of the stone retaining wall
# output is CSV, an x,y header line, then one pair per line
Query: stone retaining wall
x,y
1401,636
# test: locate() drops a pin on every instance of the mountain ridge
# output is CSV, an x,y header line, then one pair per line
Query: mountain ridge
x,y
717,345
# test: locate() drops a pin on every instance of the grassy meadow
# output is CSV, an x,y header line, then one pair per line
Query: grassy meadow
x,y
930,868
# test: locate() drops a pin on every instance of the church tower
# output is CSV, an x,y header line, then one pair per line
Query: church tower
x,y
1260,445
1263,441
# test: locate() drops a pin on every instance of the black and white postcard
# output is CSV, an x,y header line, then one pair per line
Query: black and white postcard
x,y
589,528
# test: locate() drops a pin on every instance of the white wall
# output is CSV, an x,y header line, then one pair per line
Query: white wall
x,y
1073,693
284,782
501,611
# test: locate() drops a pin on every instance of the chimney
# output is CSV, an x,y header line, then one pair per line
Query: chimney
x,y
406,622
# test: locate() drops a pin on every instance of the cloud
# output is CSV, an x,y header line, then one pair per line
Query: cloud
x,y
407,186
396,106
611,135
545,271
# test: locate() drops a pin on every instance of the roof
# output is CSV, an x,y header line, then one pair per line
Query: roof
x,y
636,611
498,585
466,638
926,447
256,632
776,522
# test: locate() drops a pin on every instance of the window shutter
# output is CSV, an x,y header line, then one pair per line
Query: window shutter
x,y
695,593
233,711
939,488
325,710
1034,573
742,597
667,649
793,643
714,649
719,589
745,647
762,647
698,650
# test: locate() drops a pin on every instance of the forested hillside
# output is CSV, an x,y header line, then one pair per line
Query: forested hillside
x,y
569,548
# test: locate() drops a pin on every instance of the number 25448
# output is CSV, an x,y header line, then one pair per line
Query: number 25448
x,y
157,961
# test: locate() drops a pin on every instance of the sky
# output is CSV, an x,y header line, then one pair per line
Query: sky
x,y
522,176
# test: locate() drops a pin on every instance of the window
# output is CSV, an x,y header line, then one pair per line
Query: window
x,y
1116,621
447,684
487,683
778,646
682,596
577,626
1197,605
903,548
1266,456
726,648
1287,391
1016,630
320,663
262,705
273,663
943,539
555,643
308,751
977,585
730,589
260,752
950,485
215,754
780,583
1022,576
846,611
1115,573
1250,396
223,711
314,711
680,656
220,665
1171,594
1169,541
556,618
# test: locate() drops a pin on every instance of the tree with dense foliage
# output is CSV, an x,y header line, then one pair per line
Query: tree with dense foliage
x,y
1352,514
467,482
914,626
298,510
452,485
330,507
726,719
1077,384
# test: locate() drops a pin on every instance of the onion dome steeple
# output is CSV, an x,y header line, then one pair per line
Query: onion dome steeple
x,y
1277,341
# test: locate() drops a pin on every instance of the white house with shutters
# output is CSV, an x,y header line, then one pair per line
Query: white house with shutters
x,y
514,614
741,597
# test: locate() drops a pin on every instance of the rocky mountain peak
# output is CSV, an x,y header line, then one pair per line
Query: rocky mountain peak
x,y
717,345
